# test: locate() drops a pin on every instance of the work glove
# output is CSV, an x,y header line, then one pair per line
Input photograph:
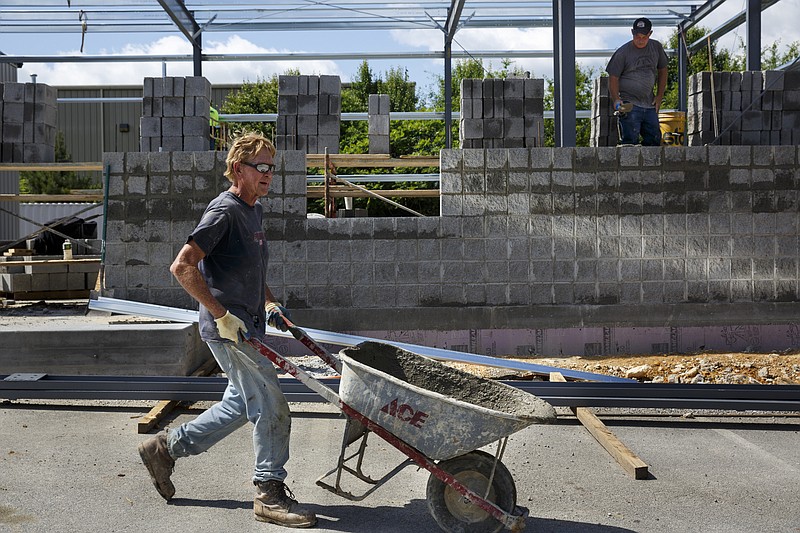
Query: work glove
x,y
275,316
230,326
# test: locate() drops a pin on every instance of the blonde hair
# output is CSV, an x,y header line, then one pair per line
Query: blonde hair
x,y
244,148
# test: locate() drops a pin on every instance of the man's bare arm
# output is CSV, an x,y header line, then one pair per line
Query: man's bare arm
x,y
185,270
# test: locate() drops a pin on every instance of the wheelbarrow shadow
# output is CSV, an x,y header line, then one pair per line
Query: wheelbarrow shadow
x,y
412,516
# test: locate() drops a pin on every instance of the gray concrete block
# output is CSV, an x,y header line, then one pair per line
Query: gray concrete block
x,y
171,127
13,113
513,107
307,125
513,88
197,86
335,104
307,104
331,85
472,128
173,106
378,125
195,126
172,144
287,104
330,125
150,126
196,143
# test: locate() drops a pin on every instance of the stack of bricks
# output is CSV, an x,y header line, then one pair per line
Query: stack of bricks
x,y
604,130
744,116
378,129
28,128
502,113
175,114
309,113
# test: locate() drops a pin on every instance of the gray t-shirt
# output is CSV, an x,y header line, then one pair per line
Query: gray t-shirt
x,y
235,266
637,69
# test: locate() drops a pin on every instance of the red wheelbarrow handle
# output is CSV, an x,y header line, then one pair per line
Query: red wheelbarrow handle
x,y
312,345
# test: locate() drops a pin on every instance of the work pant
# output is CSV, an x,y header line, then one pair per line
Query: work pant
x,y
253,394
640,121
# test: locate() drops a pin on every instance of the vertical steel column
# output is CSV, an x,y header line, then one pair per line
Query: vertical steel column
x,y
753,17
197,49
683,68
448,91
564,43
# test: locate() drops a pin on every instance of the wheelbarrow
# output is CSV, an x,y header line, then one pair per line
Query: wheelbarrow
x,y
438,417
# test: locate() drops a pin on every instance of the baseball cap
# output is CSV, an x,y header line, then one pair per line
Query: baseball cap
x,y
642,25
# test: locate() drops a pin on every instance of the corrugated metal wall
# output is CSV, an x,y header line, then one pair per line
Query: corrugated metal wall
x,y
45,212
93,128
9,181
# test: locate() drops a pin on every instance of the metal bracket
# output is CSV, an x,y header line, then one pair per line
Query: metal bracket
x,y
24,376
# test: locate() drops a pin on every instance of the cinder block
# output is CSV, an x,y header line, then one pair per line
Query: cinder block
x,y
466,88
330,125
307,104
13,92
287,104
335,104
313,85
331,142
307,125
172,144
38,153
288,85
493,128
171,127
196,143
178,87
173,106
150,126
471,128
378,125
512,107
513,88
195,126
487,86
379,144
330,85
197,86
13,113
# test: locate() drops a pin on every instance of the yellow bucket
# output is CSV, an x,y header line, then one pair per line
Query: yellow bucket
x,y
673,127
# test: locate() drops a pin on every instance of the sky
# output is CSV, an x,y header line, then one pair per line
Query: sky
x,y
779,23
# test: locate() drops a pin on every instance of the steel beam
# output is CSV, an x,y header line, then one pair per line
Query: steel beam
x,y
564,71
753,18
569,394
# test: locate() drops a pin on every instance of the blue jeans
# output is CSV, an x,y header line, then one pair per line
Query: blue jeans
x,y
640,121
253,394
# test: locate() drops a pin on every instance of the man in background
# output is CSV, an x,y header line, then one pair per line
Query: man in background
x,y
634,69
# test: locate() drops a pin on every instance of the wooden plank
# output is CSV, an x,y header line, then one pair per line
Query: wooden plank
x,y
164,407
51,167
317,191
628,460
51,197
372,161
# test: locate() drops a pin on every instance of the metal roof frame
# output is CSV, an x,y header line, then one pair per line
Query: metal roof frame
x,y
195,17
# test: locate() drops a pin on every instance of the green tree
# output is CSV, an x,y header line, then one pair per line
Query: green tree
x,y
772,57
584,93
256,97
51,182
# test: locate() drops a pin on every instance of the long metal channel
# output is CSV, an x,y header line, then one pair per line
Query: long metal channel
x,y
570,394
340,339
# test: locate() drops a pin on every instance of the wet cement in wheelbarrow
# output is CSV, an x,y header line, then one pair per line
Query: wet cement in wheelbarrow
x,y
434,376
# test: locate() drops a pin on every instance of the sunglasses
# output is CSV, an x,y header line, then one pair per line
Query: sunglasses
x,y
264,168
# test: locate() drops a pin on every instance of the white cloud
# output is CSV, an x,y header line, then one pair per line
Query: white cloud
x,y
132,73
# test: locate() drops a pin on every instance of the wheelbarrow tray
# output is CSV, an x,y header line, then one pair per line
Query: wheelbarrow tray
x,y
441,411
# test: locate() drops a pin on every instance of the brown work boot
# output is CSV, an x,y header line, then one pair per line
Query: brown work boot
x,y
275,503
159,463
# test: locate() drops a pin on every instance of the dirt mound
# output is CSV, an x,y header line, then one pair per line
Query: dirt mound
x,y
728,368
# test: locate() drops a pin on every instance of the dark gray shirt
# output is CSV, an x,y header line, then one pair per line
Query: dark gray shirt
x,y
235,266
637,70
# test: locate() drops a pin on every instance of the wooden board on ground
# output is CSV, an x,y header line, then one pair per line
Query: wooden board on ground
x,y
628,460
164,407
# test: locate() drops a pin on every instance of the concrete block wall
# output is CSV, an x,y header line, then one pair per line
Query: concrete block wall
x,y
157,198
502,113
28,125
752,108
309,113
604,127
378,128
175,114
556,237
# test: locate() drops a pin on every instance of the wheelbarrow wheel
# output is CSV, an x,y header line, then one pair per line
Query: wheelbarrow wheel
x,y
449,508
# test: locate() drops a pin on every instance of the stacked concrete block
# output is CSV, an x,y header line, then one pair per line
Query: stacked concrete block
x,y
744,108
502,113
309,113
378,129
175,114
54,280
28,129
604,125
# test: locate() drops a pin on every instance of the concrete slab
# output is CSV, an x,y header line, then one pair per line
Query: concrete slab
x,y
99,346
69,468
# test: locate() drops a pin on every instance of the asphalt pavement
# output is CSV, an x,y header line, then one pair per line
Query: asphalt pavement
x,y
66,467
